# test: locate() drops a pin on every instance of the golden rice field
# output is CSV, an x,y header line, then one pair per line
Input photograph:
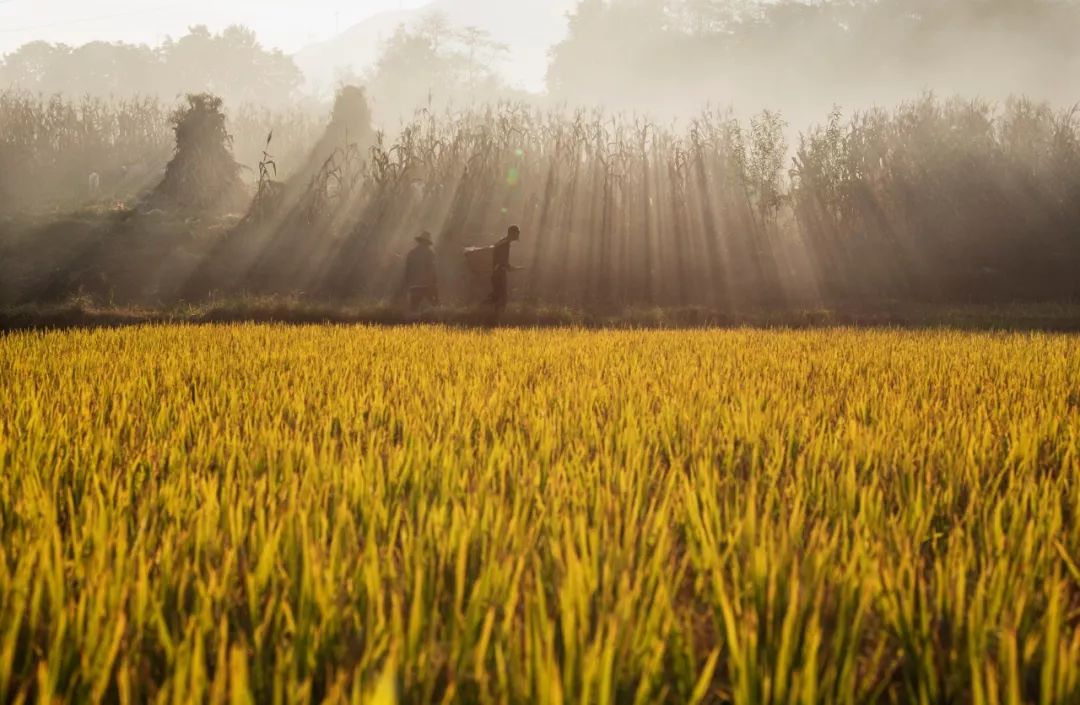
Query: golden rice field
x,y
346,514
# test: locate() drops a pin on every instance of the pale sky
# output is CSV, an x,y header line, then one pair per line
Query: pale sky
x,y
287,25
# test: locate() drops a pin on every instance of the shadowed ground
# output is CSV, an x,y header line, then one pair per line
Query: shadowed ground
x,y
1064,318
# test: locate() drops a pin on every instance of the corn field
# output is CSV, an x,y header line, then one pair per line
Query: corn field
x,y
934,201
949,199
616,210
50,145
333,514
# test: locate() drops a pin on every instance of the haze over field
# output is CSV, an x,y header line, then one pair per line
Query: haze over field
x,y
661,152
326,37
529,29
286,24
665,57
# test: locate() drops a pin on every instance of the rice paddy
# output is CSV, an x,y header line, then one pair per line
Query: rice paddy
x,y
355,514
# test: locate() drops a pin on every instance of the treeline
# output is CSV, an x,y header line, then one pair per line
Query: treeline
x,y
50,146
232,63
933,201
430,62
675,55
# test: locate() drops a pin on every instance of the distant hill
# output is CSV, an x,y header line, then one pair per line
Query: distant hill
x,y
529,27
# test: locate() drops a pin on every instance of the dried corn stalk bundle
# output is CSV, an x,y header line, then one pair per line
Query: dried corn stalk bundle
x,y
203,175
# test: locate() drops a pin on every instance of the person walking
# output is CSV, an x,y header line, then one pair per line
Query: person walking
x,y
500,284
421,274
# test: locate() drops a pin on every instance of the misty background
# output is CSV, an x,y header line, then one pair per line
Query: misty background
x,y
664,57
656,152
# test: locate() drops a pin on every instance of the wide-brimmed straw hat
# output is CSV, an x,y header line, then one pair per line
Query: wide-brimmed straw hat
x,y
425,238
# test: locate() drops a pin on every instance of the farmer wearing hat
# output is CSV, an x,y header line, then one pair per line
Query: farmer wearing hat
x,y
421,277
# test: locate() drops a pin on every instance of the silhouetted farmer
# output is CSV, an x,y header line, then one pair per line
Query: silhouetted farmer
x,y
500,286
421,277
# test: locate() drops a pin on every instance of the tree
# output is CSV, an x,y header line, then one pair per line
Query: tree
x,y
232,64
408,73
613,52
480,56
434,63
678,55
97,69
713,16
103,69
27,67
